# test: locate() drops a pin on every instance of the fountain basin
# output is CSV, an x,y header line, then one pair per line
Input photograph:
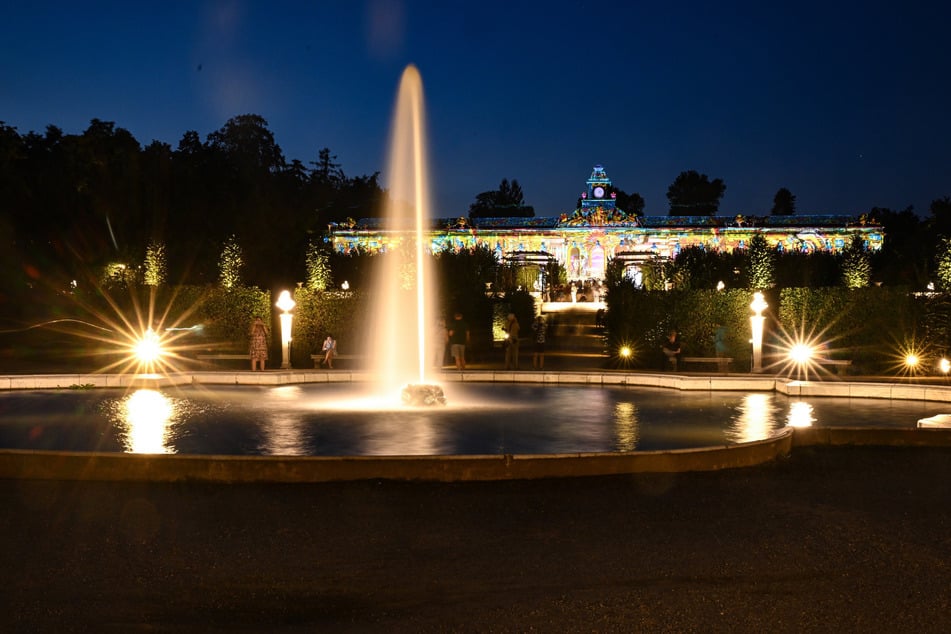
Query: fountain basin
x,y
884,425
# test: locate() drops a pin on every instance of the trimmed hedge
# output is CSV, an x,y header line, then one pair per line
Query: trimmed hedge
x,y
872,327
641,319
343,314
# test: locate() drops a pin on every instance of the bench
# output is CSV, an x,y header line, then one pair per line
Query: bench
x,y
317,358
221,357
723,363
840,365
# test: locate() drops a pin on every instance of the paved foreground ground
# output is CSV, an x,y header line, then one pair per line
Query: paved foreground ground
x,y
828,540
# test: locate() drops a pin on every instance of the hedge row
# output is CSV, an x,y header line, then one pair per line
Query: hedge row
x,y
873,327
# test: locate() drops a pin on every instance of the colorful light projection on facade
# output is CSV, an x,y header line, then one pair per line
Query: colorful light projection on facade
x,y
584,240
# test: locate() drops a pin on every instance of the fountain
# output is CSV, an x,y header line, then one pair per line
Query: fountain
x,y
209,414
404,283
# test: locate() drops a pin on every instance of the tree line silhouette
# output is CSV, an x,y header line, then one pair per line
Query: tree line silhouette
x,y
72,202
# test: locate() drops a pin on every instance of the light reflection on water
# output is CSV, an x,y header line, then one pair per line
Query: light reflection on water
x,y
481,418
626,425
801,414
146,416
756,419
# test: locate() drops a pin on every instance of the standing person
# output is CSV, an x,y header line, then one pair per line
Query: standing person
x,y
440,339
330,351
671,348
719,340
458,340
511,342
258,347
538,349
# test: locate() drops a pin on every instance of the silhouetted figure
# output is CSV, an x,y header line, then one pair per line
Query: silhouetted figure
x,y
511,342
539,337
671,348
458,340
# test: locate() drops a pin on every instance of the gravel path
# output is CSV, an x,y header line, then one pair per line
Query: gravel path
x,y
830,539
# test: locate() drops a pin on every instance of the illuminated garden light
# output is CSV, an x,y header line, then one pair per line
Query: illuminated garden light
x,y
286,303
624,355
944,365
758,305
801,353
910,358
148,349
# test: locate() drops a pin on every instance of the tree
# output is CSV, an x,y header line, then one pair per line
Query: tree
x,y
326,170
699,268
155,270
318,268
760,266
109,157
230,264
506,201
631,204
510,193
856,267
784,203
906,255
940,219
693,194
248,144
943,268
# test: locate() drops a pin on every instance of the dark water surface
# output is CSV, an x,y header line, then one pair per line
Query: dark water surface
x,y
481,418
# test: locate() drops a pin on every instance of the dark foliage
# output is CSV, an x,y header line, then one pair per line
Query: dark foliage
x,y
694,194
76,202
784,203
505,202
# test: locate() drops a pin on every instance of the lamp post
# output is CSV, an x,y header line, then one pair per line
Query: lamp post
x,y
756,325
286,304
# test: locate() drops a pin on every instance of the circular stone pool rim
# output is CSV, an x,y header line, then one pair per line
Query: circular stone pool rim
x,y
59,465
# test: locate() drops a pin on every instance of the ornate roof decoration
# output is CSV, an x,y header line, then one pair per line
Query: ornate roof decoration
x,y
598,216
621,219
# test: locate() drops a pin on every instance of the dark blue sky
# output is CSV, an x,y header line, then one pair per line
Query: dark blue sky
x,y
847,104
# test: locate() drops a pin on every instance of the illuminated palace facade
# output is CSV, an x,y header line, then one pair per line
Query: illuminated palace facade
x,y
585,239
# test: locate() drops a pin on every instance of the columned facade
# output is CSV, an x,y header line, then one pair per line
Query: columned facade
x,y
584,240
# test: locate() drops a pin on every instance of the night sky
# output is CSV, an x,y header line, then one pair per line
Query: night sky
x,y
847,104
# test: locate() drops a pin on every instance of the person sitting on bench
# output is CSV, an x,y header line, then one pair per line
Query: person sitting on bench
x,y
671,348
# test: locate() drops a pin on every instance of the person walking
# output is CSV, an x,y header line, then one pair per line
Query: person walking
x,y
458,340
258,345
511,342
538,346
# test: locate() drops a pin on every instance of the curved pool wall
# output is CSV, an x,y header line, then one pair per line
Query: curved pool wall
x,y
56,465
736,382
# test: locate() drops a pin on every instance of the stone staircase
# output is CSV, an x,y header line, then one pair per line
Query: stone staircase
x,y
573,329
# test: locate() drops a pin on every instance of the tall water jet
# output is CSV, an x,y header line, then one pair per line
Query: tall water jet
x,y
403,292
